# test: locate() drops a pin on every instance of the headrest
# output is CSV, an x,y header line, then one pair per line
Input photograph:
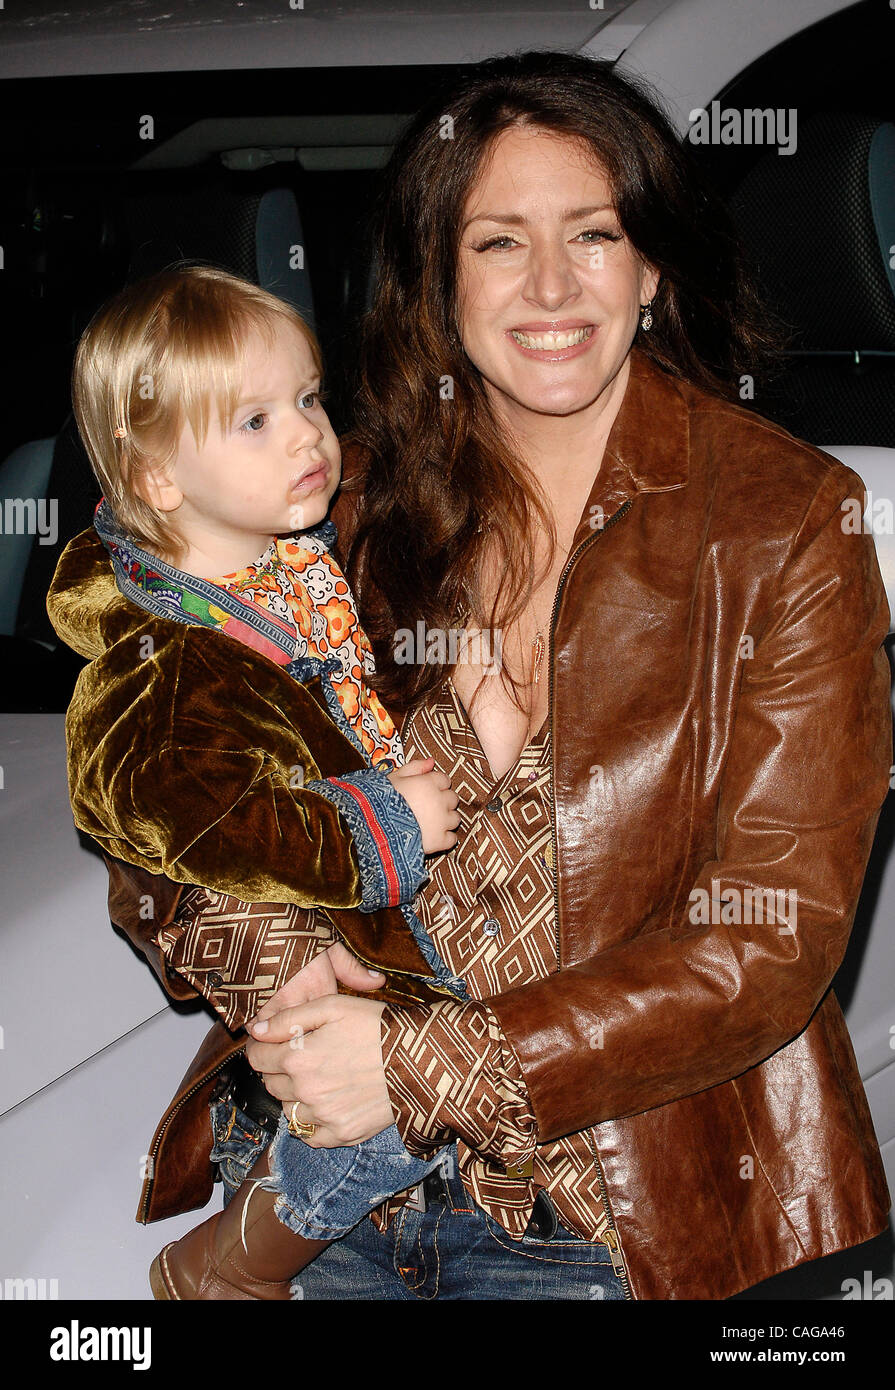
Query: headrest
x,y
820,223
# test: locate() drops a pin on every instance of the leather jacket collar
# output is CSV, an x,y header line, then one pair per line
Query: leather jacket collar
x,y
648,449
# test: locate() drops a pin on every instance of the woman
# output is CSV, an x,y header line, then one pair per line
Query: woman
x,y
669,790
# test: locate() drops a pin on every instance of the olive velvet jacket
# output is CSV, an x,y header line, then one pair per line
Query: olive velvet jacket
x,y
716,660
197,756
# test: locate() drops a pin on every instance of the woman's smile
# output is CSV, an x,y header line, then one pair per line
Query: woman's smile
x,y
553,343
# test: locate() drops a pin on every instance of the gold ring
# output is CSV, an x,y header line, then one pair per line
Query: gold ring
x,y
297,1127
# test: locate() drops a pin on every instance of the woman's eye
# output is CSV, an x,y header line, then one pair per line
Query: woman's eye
x,y
595,234
591,235
252,426
495,241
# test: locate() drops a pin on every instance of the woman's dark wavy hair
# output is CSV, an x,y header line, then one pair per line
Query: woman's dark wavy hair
x,y
439,482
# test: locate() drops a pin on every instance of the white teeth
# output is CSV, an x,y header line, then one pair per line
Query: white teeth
x,y
544,341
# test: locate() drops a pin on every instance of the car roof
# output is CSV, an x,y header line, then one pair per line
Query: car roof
x,y
79,37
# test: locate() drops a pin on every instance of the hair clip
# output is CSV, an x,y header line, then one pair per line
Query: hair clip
x,y
120,433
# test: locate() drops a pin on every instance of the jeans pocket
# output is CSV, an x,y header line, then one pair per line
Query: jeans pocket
x,y
563,1247
238,1140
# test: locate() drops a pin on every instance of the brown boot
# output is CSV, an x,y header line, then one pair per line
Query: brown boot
x,y
242,1252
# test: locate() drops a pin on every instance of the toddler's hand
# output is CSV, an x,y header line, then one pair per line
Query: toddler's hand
x,y
429,796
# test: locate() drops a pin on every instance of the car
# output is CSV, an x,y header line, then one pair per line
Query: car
x,y
251,136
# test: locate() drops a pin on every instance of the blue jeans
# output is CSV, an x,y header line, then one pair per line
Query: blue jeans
x,y
323,1193
453,1250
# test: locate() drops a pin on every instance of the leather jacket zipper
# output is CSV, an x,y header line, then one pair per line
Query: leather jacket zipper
x,y
611,1234
178,1105
572,560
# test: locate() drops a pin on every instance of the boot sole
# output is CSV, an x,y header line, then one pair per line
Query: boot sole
x,y
161,1289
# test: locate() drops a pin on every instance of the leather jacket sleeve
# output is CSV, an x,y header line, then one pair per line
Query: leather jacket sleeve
x,y
680,1008
141,905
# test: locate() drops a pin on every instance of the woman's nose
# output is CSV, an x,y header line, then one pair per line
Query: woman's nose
x,y
551,276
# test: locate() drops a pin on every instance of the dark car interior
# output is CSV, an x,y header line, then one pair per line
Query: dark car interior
x,y
237,168
110,206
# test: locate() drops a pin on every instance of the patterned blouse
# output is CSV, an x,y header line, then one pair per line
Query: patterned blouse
x,y
489,907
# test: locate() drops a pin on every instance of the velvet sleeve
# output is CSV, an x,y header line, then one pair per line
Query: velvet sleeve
x,y
230,821
181,765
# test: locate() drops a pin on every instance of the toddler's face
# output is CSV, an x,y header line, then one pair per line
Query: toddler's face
x,y
272,472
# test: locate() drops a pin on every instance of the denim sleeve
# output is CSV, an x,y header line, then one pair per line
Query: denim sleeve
x,y
386,835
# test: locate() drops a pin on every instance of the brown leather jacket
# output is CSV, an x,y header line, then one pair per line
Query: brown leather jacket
x,y
722,743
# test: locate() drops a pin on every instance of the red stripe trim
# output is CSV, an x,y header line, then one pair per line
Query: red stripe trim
x,y
379,837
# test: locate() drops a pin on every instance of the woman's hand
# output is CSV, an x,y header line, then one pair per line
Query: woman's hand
x,y
319,978
327,1055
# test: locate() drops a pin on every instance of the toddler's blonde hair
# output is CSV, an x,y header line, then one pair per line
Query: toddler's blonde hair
x,y
158,355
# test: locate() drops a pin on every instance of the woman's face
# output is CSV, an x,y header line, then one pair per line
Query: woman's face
x,y
549,289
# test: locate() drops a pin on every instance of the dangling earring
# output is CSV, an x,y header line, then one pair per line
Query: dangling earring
x,y
646,316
